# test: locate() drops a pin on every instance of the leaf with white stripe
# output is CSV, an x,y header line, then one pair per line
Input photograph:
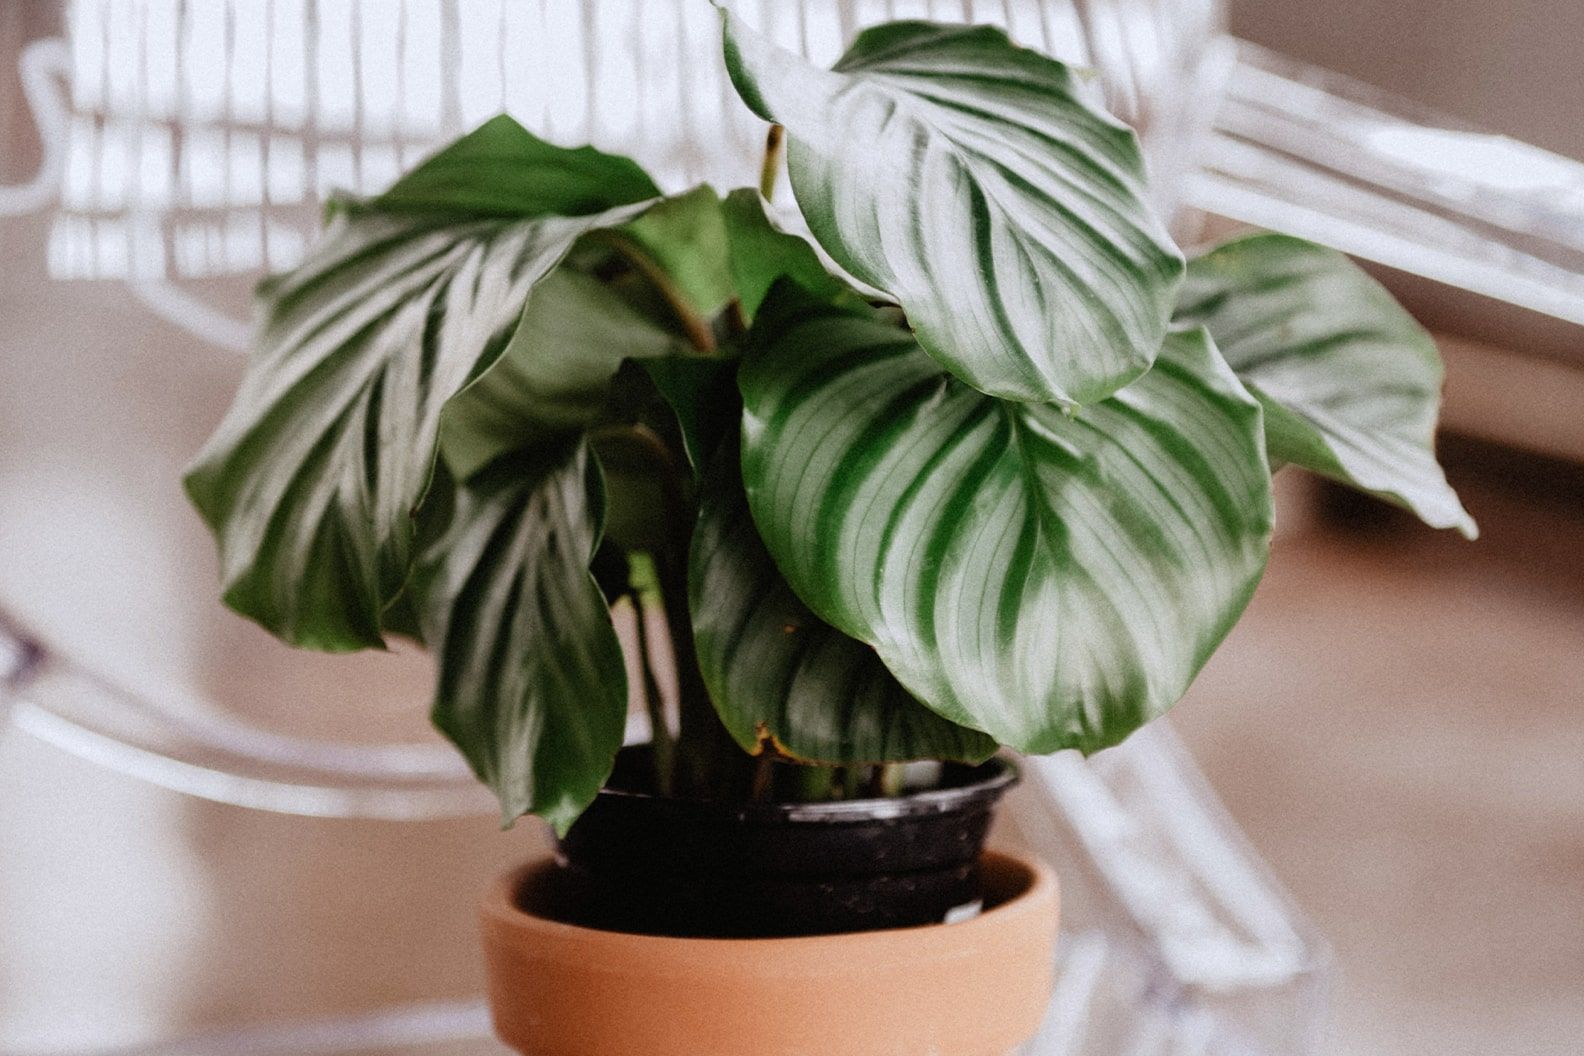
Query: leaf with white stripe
x,y
1350,382
1053,580
531,685
312,479
973,181
778,672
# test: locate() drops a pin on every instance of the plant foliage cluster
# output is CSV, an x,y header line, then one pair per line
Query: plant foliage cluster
x,y
985,463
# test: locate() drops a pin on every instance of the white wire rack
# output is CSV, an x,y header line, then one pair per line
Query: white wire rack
x,y
1328,158
188,141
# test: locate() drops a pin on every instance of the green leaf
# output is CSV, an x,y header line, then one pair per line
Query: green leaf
x,y
973,181
1053,580
702,396
777,672
680,245
761,253
1350,382
555,375
531,685
311,481
504,171
403,615
578,329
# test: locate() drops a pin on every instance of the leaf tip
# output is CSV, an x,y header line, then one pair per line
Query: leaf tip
x,y
736,42
563,815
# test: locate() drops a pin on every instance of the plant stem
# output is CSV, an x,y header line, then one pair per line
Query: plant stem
x,y
660,740
764,777
702,753
705,758
812,784
705,751
874,784
697,330
770,170
850,778
885,780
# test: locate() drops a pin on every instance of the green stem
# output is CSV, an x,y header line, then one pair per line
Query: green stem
x,y
708,760
813,784
705,758
660,740
850,778
695,327
770,170
892,776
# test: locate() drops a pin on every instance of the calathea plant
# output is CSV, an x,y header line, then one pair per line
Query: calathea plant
x,y
991,469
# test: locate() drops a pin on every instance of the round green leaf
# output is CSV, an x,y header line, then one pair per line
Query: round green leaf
x,y
1053,580
973,181
1350,382
779,673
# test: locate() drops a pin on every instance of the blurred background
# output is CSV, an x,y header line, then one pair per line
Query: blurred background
x,y
1397,726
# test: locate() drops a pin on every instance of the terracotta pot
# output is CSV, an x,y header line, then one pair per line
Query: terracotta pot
x,y
975,988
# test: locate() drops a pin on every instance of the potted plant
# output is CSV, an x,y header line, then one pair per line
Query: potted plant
x,y
984,463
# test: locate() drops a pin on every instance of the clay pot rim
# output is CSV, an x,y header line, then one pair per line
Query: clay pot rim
x,y
1032,881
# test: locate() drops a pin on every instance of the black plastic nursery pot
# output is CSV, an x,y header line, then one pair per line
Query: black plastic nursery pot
x,y
647,864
